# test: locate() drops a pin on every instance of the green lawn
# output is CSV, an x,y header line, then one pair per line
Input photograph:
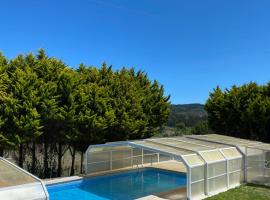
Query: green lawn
x,y
244,192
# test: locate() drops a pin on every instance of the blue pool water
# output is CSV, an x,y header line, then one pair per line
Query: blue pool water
x,y
120,186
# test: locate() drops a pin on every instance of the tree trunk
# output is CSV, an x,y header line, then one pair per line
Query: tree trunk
x,y
60,155
45,161
21,155
34,158
1,151
81,162
73,153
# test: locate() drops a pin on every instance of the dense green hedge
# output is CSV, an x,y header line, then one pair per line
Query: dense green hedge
x,y
45,102
241,111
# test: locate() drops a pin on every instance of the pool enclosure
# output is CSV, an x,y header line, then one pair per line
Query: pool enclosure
x,y
18,184
210,167
256,156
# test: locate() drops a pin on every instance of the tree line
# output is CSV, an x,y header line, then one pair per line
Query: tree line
x,y
49,107
241,111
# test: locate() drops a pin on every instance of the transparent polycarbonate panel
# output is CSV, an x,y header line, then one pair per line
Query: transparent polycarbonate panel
x,y
163,158
255,158
232,140
197,173
242,149
98,167
225,140
231,153
267,157
98,156
11,176
201,142
149,159
252,162
218,183
197,189
212,156
216,169
254,152
137,160
121,154
242,176
205,138
235,178
262,146
121,163
160,147
108,148
181,144
267,172
145,151
137,151
254,173
236,164
193,160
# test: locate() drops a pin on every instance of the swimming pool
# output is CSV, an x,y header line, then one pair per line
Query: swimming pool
x,y
119,186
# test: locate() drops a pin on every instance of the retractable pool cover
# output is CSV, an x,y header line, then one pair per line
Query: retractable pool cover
x,y
18,184
213,163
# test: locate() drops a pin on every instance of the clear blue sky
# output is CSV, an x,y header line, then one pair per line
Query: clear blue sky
x,y
189,46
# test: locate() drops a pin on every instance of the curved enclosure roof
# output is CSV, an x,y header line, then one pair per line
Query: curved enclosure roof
x,y
192,150
162,147
17,184
232,141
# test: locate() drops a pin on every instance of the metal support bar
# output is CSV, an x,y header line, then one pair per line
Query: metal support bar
x,y
206,174
227,169
86,162
110,160
245,165
142,156
131,152
264,163
189,183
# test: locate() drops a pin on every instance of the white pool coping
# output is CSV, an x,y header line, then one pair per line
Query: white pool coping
x,y
151,197
61,180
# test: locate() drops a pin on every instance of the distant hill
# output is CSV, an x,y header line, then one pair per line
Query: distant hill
x,y
190,114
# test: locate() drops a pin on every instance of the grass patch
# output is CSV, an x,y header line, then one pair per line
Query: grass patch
x,y
244,192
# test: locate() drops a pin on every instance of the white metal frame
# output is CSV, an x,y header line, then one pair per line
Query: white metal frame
x,y
238,147
189,174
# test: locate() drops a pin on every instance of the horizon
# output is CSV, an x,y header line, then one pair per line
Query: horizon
x,y
190,47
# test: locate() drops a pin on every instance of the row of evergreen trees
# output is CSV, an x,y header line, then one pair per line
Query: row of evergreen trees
x,y
45,103
242,111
